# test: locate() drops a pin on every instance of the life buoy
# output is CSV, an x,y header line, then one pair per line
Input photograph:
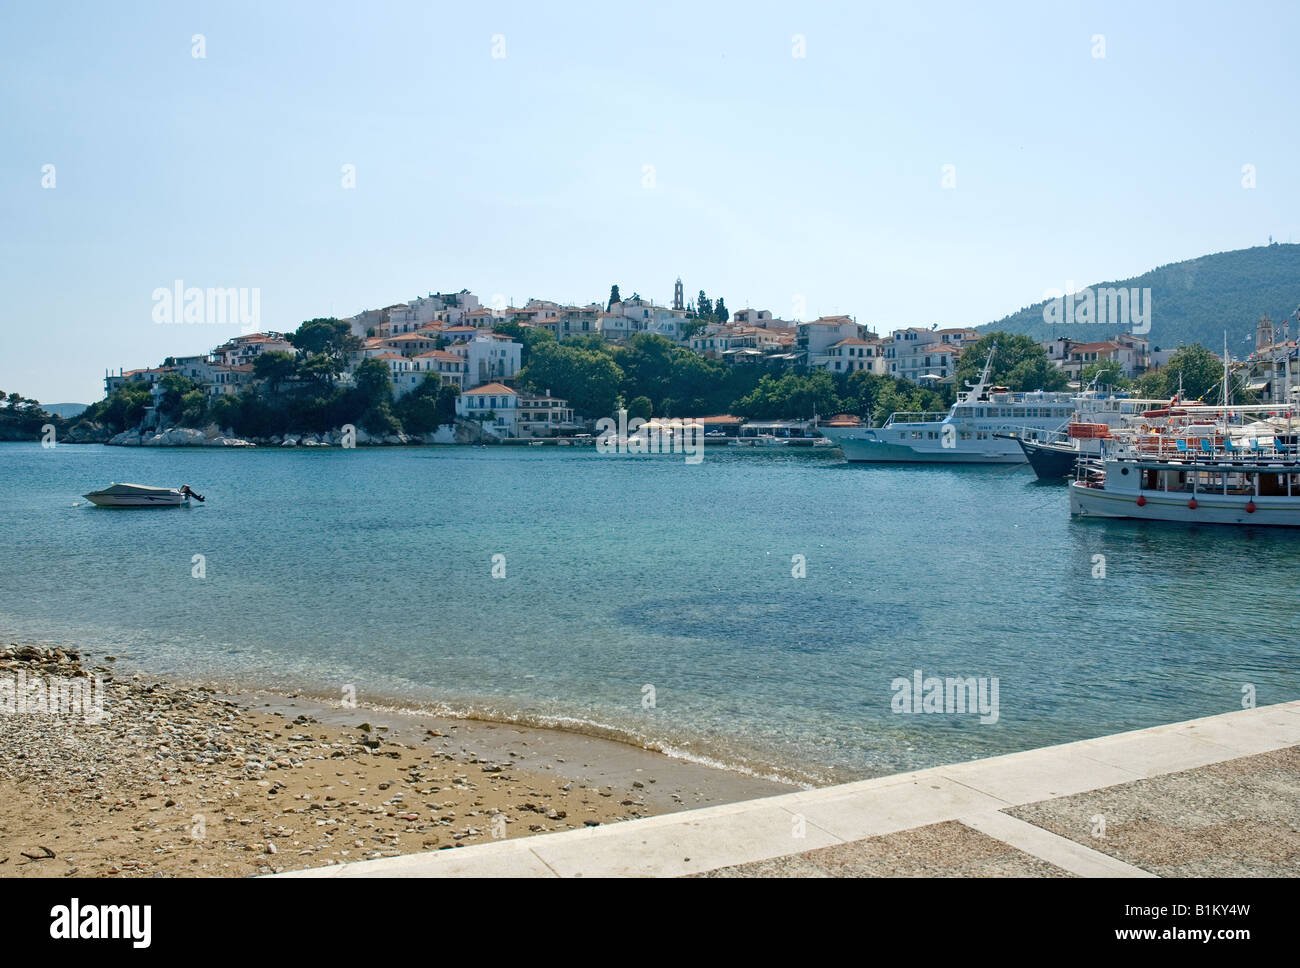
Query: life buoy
x,y
1141,502
1192,504
1250,507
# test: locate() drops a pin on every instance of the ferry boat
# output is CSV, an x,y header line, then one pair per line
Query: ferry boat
x,y
976,430
1214,480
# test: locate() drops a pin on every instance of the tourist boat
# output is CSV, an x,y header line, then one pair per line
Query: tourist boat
x,y
976,430
1252,482
142,496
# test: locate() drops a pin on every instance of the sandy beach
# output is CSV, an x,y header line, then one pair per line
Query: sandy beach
x,y
189,779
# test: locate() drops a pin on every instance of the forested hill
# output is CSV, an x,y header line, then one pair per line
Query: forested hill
x,y
1195,301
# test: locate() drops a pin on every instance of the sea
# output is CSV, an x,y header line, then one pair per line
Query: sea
x,y
767,610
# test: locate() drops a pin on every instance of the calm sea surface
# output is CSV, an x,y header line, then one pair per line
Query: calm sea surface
x,y
373,567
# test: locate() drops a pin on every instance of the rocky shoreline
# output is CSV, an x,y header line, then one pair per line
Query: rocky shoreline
x,y
212,437
180,779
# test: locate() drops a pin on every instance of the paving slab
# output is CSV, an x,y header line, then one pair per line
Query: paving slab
x,y
948,849
1056,771
1045,845
507,858
1154,753
1236,818
898,806
685,846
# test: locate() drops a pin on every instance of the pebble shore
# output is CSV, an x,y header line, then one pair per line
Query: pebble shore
x,y
182,780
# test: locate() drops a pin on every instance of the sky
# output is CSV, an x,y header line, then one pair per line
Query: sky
x,y
786,156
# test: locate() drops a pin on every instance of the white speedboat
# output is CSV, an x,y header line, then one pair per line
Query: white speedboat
x,y
141,496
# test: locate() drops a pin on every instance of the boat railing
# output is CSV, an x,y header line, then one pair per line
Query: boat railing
x,y
1040,435
1214,447
917,416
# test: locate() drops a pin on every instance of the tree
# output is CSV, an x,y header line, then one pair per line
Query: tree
x,y
1019,363
588,379
321,369
380,421
1107,373
690,327
447,395
374,382
274,366
703,306
193,408
175,387
1150,385
1199,370
613,296
792,396
720,313
418,410
640,407
330,337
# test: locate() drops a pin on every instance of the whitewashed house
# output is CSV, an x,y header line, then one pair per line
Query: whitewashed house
x,y
449,367
489,356
494,405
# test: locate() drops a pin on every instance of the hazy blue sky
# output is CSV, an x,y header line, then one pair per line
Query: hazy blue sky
x,y
775,176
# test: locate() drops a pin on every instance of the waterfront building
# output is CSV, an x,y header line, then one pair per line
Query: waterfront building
x,y
494,405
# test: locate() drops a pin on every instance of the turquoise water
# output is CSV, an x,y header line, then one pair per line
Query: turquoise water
x,y
373,568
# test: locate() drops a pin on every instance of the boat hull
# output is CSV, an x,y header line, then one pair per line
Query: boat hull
x,y
137,496
1051,462
117,501
864,446
1210,508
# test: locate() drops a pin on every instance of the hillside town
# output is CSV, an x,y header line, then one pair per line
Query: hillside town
x,y
453,340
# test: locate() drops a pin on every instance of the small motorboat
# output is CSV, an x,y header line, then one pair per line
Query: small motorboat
x,y
142,496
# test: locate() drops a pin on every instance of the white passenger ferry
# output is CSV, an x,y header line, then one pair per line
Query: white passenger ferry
x,y
967,434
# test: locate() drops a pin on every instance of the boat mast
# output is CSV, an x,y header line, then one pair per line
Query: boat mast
x,y
983,380
1225,372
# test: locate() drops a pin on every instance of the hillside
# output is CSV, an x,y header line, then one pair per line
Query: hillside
x,y
1195,301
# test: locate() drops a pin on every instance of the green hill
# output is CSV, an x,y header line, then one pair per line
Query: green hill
x,y
1194,301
